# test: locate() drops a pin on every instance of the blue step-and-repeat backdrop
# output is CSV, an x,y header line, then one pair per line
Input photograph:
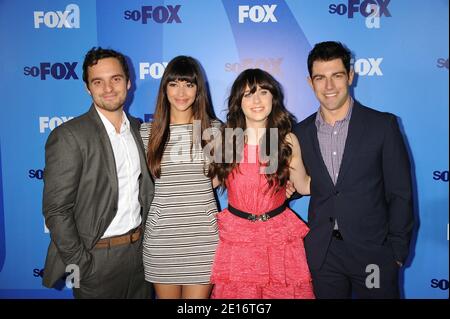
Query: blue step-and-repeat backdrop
x,y
400,55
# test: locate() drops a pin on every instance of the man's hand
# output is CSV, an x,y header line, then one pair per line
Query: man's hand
x,y
290,189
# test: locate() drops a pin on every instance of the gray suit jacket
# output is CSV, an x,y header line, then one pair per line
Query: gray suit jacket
x,y
81,191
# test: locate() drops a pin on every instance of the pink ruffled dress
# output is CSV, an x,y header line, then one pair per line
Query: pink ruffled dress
x,y
259,260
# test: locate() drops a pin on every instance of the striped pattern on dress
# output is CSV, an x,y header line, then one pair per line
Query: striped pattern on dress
x,y
181,235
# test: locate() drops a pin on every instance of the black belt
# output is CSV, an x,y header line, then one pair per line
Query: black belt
x,y
252,217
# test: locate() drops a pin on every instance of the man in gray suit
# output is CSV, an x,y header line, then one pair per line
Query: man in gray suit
x,y
98,190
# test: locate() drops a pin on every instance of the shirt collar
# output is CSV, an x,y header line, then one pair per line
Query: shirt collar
x,y
108,125
320,120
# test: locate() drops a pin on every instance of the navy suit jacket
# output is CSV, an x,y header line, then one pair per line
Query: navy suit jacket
x,y
372,198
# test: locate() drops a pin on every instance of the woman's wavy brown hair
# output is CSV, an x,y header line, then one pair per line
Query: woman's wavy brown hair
x,y
279,118
180,68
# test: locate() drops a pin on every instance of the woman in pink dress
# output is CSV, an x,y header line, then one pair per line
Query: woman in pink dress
x,y
260,252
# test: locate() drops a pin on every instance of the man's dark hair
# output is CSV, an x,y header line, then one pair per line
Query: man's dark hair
x,y
98,53
327,51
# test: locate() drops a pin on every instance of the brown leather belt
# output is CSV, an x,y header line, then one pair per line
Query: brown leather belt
x,y
128,238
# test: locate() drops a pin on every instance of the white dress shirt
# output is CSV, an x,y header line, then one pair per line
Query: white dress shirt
x,y
128,170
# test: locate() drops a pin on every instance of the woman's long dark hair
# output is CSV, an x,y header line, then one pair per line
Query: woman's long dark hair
x,y
181,68
279,118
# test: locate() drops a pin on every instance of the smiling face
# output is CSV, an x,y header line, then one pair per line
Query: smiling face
x,y
330,82
107,84
256,106
181,96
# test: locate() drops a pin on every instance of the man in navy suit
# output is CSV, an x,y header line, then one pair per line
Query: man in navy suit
x,y
360,213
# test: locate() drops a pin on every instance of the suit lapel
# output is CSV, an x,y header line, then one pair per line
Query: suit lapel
x,y
140,147
354,138
106,148
312,132
110,162
145,176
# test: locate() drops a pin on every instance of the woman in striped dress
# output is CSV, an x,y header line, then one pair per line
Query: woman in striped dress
x,y
181,233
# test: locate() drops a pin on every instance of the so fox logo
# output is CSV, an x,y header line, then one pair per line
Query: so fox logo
x,y
371,10
158,14
58,71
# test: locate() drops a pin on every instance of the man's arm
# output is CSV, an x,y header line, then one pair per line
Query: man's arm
x,y
398,190
63,166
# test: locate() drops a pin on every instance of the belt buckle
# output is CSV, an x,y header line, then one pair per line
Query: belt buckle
x,y
137,232
253,218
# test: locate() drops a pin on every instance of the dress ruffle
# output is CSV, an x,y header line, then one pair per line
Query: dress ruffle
x,y
256,260
261,258
234,290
